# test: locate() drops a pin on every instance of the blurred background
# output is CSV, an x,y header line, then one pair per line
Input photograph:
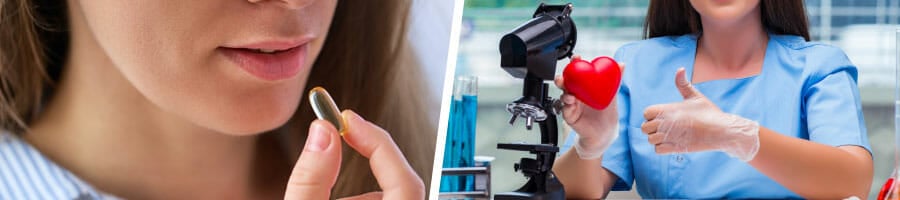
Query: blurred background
x,y
864,29
428,34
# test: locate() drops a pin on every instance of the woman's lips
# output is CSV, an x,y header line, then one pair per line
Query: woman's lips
x,y
263,63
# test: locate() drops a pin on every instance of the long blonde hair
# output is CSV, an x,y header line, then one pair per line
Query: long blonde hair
x,y
365,64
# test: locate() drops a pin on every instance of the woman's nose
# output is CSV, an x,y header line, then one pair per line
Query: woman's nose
x,y
289,4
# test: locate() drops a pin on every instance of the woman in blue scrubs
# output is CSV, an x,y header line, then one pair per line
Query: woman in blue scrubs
x,y
725,99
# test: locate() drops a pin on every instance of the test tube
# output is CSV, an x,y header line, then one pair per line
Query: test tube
x,y
459,150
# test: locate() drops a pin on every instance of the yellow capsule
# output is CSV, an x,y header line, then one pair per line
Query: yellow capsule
x,y
326,109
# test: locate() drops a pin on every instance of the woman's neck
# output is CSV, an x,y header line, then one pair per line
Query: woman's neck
x,y
730,50
100,127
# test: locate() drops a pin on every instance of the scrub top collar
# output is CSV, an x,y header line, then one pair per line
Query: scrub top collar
x,y
690,42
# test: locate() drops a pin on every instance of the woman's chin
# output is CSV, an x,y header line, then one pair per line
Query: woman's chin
x,y
248,129
248,123
230,108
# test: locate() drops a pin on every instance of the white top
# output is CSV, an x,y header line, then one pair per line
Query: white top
x,y
25,173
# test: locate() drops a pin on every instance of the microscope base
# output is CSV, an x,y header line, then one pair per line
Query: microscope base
x,y
553,191
524,195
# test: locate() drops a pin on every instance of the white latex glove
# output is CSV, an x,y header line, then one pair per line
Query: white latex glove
x,y
593,148
696,124
596,129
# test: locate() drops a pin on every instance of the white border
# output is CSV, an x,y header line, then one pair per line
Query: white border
x,y
434,191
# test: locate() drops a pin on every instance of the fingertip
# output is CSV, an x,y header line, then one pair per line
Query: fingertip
x,y
559,82
684,85
681,75
319,136
664,148
643,126
348,114
650,113
362,135
351,119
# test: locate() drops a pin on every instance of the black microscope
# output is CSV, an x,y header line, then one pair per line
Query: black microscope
x,y
530,52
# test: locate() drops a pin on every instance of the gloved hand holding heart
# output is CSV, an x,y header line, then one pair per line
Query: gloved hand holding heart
x,y
595,83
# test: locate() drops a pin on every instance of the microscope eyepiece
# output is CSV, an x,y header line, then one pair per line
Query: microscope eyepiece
x,y
534,46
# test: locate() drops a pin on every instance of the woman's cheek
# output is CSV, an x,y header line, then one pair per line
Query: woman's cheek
x,y
174,65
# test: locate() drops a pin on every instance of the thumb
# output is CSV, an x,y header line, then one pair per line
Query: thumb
x,y
317,169
684,86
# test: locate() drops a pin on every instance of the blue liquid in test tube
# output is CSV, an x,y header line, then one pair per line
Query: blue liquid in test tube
x,y
459,150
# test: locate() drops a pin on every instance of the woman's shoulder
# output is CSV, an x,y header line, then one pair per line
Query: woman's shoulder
x,y
662,42
818,59
25,173
808,48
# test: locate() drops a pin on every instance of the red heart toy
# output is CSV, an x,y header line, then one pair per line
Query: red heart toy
x,y
595,83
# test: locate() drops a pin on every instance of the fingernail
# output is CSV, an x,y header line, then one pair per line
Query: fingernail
x,y
318,138
351,118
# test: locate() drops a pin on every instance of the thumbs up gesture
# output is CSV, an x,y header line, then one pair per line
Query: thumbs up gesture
x,y
696,124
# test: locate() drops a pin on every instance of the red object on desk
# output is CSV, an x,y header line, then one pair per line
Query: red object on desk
x,y
595,83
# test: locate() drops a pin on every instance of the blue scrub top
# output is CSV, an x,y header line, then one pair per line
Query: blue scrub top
x,y
806,90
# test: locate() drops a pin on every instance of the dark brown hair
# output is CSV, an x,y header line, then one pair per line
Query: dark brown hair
x,y
678,17
365,63
32,43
